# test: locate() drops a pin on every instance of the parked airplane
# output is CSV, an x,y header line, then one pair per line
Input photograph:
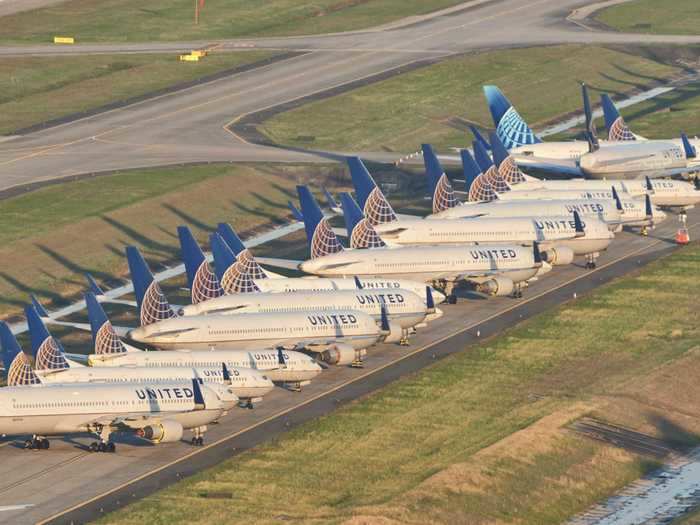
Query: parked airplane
x,y
158,412
51,366
622,160
287,368
493,269
238,271
344,332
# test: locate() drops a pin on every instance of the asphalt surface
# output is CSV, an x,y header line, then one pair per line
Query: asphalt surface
x,y
190,125
67,478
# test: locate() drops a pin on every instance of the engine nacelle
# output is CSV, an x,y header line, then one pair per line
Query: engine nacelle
x,y
395,333
342,354
164,432
558,256
499,286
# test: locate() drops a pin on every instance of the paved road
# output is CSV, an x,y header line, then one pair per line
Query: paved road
x,y
190,125
67,476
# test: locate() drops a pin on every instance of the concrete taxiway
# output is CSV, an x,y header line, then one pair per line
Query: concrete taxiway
x,y
67,483
191,125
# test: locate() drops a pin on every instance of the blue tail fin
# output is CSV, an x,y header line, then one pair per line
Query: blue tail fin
x,y
203,283
614,123
295,211
319,234
507,167
152,304
93,286
332,203
39,308
470,168
18,365
361,233
688,148
372,201
482,157
232,271
244,256
47,350
104,339
479,137
510,126
442,194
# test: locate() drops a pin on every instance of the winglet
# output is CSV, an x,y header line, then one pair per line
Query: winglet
x,y
225,374
648,184
616,198
385,326
39,308
578,225
93,286
688,148
199,403
358,284
649,211
429,301
536,253
281,359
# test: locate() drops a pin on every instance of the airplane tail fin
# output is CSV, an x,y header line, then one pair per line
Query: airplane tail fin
x,y
319,234
688,148
482,157
360,232
18,364
618,130
479,137
616,198
202,281
372,201
489,170
295,211
330,200
231,271
442,192
510,126
46,349
507,167
243,255
591,133
649,210
104,339
470,169
578,225
152,304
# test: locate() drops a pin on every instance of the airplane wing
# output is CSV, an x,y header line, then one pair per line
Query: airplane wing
x,y
552,166
279,263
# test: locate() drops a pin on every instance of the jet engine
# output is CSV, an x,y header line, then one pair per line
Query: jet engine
x,y
163,432
497,286
558,256
341,354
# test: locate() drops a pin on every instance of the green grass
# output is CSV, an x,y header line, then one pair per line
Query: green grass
x,y
654,16
476,438
433,104
51,236
35,89
134,21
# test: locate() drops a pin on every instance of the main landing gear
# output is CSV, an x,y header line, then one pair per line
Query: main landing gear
x,y
104,444
447,287
198,437
37,443
591,261
517,292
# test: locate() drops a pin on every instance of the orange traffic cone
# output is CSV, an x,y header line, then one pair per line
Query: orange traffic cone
x,y
682,236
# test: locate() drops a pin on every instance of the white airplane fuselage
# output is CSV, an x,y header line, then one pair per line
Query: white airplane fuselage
x,y
299,366
402,306
74,408
549,231
255,331
246,383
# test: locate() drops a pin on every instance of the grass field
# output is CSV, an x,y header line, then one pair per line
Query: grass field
x,y
132,21
433,104
36,89
479,437
51,236
654,16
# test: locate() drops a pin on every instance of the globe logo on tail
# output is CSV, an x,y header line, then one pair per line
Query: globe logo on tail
x,y
514,131
619,131
509,171
205,285
377,210
155,306
240,277
365,236
444,196
494,179
21,372
249,265
324,241
481,191
49,356
107,341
